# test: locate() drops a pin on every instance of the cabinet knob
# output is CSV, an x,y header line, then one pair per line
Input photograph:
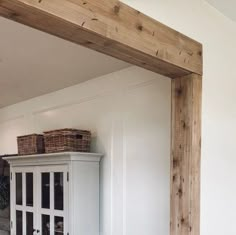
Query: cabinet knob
x,y
36,230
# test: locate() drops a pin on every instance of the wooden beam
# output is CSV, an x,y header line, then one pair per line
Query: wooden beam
x,y
186,155
113,28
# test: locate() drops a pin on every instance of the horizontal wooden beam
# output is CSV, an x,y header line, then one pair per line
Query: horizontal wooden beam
x,y
113,28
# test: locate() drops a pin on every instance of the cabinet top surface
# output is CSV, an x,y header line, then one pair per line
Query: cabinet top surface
x,y
62,156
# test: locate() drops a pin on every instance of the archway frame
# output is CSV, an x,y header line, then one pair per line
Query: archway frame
x,y
115,29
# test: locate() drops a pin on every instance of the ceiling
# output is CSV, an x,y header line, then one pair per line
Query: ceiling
x,y
33,63
227,7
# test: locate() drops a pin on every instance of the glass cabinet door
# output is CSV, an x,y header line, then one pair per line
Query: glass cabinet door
x,y
40,200
53,200
23,193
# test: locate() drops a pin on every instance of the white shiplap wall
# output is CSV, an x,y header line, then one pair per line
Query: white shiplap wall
x,y
129,114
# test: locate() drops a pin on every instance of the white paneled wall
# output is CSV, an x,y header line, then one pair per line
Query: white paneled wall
x,y
128,113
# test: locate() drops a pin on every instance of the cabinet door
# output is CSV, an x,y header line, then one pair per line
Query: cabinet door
x,y
53,200
23,201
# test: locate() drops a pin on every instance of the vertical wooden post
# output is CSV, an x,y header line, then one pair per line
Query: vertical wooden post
x,y
186,155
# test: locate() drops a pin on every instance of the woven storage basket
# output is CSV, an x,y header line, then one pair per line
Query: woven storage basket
x,y
30,144
70,140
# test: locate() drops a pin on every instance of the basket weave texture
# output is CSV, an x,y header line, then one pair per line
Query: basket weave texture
x,y
70,140
30,144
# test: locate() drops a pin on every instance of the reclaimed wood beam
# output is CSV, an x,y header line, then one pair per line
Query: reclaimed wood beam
x,y
113,28
186,155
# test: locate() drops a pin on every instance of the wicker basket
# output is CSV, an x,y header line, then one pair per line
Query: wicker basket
x,y
70,140
30,144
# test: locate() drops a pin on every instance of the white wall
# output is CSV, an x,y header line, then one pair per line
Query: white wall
x,y
200,21
129,114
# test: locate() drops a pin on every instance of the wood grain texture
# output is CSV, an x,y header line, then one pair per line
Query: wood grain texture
x,y
186,155
113,28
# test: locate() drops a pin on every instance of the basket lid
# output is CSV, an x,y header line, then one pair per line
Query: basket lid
x,y
29,135
67,130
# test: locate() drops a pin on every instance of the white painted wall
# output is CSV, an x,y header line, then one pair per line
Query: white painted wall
x,y
129,114
202,22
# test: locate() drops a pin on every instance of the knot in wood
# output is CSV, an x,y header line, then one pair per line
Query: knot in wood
x,y
174,178
13,15
140,27
179,91
180,192
183,124
175,163
116,9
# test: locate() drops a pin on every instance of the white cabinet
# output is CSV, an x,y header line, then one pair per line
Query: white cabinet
x,y
55,194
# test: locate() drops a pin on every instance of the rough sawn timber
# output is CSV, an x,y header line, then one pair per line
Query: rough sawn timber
x,y
113,28
186,155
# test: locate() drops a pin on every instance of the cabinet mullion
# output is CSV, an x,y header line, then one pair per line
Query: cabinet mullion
x,y
37,197
51,202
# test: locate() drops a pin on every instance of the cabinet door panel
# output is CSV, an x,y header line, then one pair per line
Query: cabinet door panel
x,y
40,201
58,225
45,190
45,224
53,200
19,188
29,223
19,222
23,209
29,178
58,190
